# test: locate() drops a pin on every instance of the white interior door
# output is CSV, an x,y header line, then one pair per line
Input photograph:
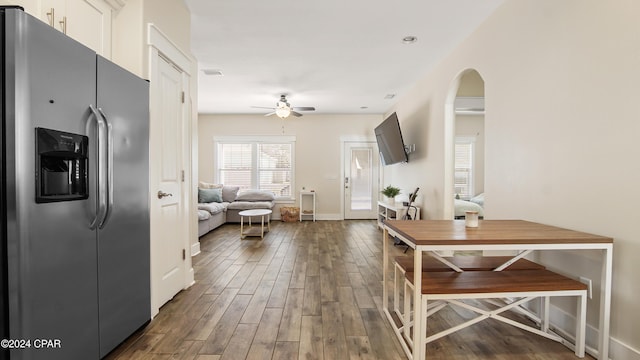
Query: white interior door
x,y
167,219
361,180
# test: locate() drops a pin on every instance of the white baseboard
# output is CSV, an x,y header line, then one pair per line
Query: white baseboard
x,y
329,217
191,279
564,323
622,351
195,248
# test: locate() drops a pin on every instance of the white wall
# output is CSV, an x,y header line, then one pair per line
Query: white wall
x,y
562,126
318,148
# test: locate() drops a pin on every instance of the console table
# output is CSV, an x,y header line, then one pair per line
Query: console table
x,y
395,211
517,235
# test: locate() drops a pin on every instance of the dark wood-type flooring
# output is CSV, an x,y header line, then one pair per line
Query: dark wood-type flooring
x,y
310,290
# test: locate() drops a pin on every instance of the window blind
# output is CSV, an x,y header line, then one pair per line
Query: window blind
x,y
256,165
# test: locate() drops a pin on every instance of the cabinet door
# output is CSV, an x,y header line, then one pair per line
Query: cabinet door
x,y
89,22
51,12
29,6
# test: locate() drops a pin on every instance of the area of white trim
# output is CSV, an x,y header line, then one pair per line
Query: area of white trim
x,y
116,5
191,275
469,105
329,217
195,248
158,40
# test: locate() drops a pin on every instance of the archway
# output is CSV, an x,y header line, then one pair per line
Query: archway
x,y
464,130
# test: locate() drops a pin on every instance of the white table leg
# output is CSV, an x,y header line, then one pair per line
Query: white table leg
x,y
385,264
241,227
605,303
581,322
418,321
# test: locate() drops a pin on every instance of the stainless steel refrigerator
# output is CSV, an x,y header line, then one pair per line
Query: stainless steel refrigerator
x,y
74,196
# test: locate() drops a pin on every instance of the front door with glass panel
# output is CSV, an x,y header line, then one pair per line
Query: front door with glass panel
x,y
361,180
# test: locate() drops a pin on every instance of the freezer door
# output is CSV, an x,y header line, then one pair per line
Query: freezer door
x,y
123,240
51,252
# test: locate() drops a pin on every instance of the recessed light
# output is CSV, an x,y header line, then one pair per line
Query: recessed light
x,y
389,96
213,72
364,107
409,39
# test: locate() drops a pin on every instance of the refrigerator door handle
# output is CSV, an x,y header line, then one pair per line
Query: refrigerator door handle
x,y
102,191
109,172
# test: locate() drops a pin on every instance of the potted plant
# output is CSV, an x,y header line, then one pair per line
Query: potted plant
x,y
390,192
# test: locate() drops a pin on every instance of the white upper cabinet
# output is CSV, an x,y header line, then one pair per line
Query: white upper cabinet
x,y
88,21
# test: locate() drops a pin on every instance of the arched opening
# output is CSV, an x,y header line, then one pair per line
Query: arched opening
x,y
464,145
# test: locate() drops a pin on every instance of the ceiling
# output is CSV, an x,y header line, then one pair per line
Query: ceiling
x,y
341,56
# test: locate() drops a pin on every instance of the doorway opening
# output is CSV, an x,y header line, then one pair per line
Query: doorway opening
x,y
361,163
464,145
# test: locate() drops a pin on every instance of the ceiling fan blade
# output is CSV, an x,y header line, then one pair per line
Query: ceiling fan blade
x,y
296,114
269,114
304,108
262,107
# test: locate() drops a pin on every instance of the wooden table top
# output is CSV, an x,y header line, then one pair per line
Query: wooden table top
x,y
488,232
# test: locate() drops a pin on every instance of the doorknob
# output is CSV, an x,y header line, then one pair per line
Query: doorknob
x,y
163,194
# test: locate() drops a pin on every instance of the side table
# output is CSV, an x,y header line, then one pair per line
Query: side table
x,y
254,231
306,211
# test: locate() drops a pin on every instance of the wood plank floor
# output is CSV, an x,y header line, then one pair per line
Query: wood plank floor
x,y
310,290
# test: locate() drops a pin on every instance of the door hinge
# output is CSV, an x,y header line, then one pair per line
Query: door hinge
x,y
184,254
182,175
183,97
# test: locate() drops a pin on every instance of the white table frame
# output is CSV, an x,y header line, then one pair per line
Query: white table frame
x,y
418,351
254,212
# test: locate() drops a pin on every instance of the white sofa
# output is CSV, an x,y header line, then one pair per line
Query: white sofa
x,y
220,204
247,200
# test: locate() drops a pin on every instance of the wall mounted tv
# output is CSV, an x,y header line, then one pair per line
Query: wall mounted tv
x,y
390,143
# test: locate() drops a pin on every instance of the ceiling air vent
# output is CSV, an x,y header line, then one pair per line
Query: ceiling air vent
x,y
213,72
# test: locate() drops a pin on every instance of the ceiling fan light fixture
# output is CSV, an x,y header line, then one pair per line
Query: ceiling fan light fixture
x,y
283,111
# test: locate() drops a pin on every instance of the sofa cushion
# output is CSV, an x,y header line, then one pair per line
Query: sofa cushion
x,y
247,205
256,195
209,195
213,208
229,192
203,215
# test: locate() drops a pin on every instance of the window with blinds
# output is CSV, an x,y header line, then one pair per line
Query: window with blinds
x,y
463,174
261,164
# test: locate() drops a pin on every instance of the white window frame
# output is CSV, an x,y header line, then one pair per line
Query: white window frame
x,y
255,140
467,140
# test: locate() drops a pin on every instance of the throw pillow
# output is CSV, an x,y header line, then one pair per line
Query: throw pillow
x,y
209,195
256,195
229,193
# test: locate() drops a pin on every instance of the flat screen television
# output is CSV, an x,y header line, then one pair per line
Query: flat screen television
x,y
390,143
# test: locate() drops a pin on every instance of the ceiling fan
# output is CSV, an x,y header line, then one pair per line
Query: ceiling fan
x,y
283,109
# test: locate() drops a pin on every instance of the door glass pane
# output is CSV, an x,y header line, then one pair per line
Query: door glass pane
x,y
361,179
